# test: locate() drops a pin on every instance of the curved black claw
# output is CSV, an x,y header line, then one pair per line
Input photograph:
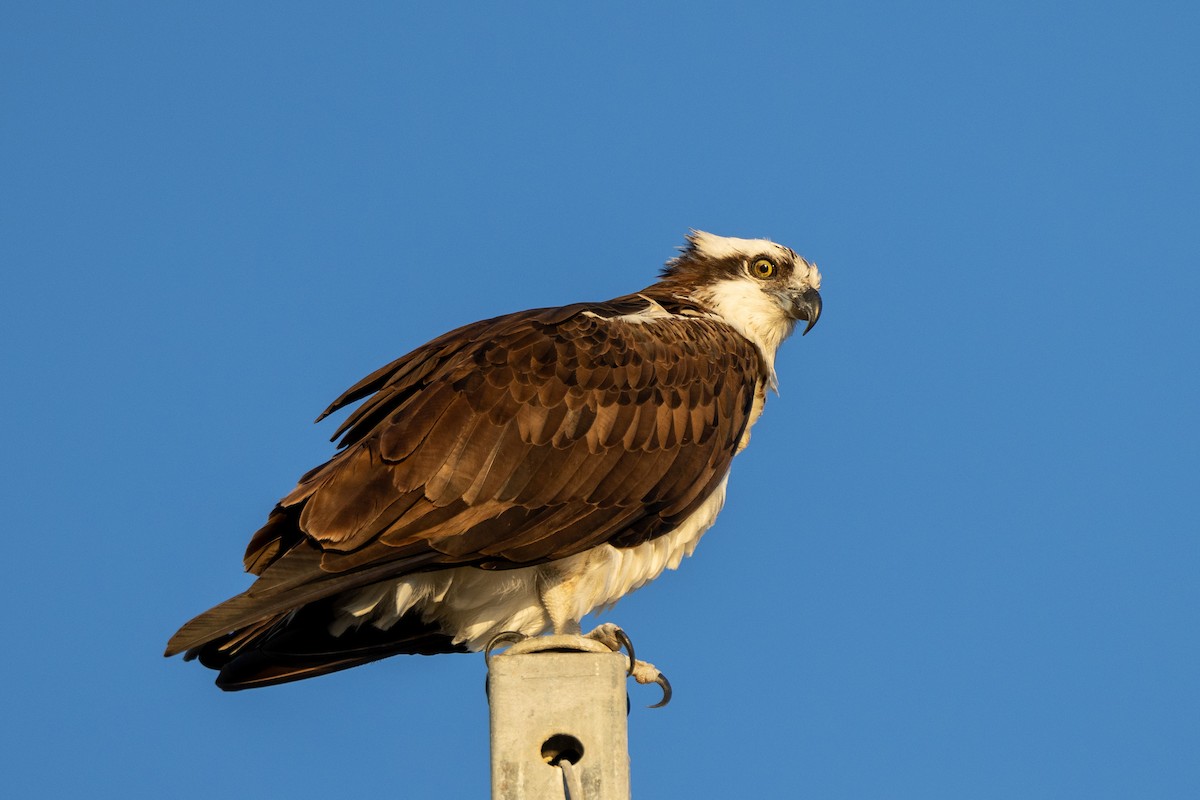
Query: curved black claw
x,y
623,638
662,681
504,637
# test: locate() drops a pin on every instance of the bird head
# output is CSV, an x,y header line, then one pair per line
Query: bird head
x,y
757,286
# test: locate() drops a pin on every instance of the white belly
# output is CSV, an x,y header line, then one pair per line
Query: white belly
x,y
475,604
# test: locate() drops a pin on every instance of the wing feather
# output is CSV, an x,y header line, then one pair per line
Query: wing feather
x,y
508,442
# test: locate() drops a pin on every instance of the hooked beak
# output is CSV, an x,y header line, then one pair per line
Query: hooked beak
x,y
807,306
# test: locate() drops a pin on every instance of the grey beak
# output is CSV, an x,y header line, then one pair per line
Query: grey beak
x,y
807,306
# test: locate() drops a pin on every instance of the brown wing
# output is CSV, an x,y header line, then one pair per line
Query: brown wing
x,y
510,442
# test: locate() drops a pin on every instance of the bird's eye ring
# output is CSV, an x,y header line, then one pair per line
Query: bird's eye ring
x,y
763,268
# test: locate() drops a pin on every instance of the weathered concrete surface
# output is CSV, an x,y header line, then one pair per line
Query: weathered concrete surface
x,y
558,697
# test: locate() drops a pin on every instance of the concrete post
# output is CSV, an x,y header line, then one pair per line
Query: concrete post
x,y
555,699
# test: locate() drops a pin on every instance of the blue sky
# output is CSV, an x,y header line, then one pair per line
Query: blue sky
x,y
959,559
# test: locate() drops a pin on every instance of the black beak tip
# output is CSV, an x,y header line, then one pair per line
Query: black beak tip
x,y
812,304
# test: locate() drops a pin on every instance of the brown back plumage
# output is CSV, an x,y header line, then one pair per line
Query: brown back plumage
x,y
509,442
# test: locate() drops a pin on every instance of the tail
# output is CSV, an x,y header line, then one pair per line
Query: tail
x,y
294,645
278,630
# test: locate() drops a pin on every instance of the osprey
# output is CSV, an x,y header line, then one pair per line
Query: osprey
x,y
516,474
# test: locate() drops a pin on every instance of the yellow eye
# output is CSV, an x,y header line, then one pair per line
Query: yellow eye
x,y
763,268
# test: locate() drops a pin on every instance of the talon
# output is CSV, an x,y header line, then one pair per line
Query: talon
x,y
641,671
625,641
662,681
648,673
504,637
